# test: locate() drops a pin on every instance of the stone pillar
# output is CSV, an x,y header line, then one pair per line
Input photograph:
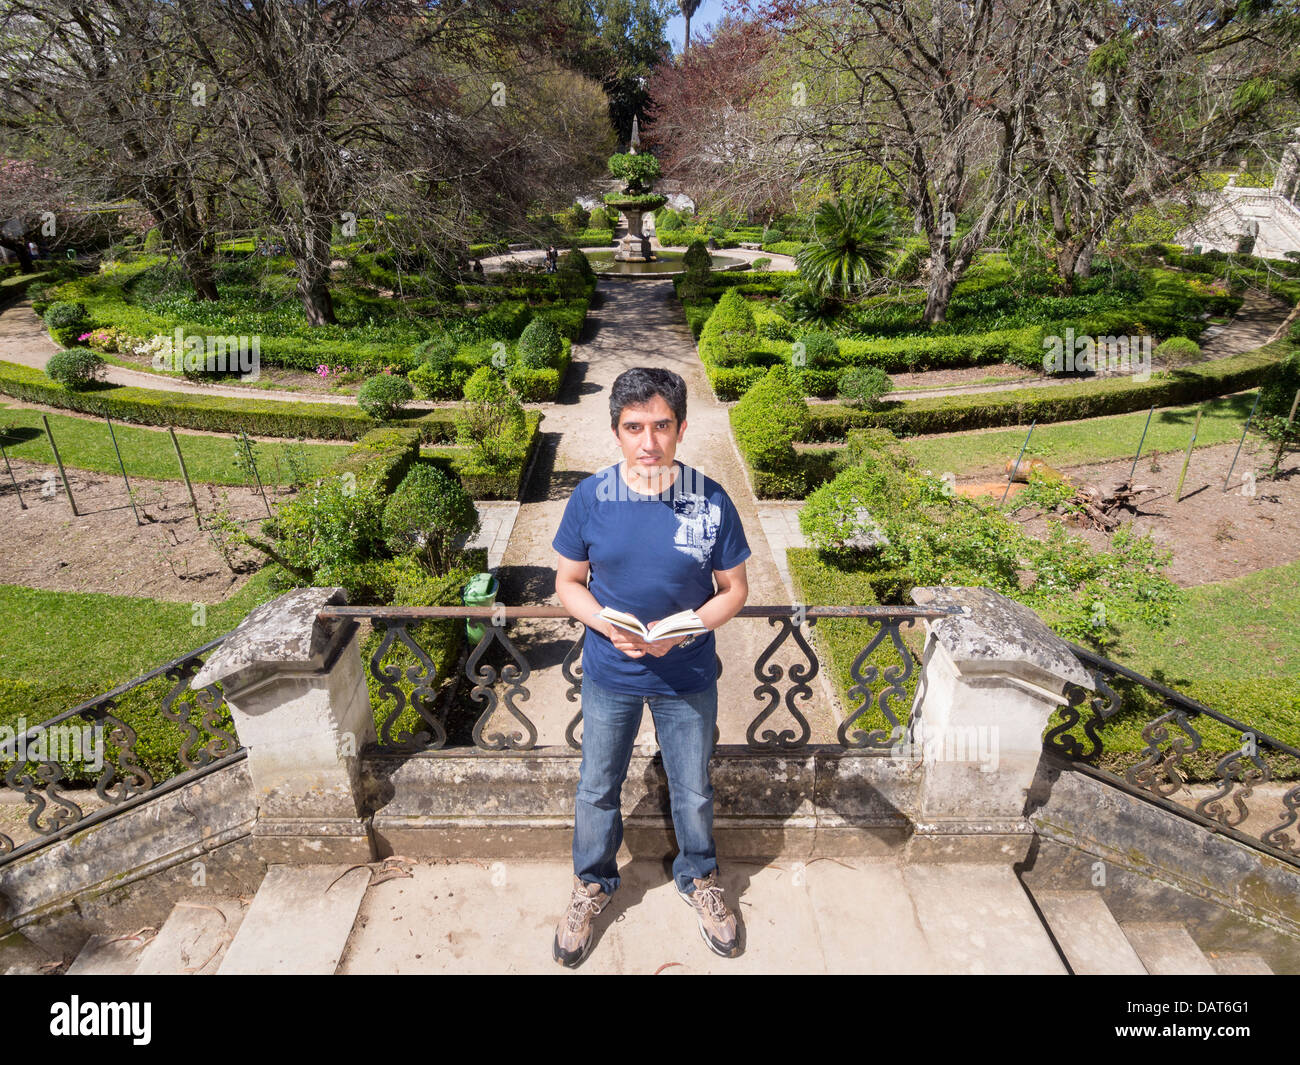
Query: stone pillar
x,y
990,681
297,694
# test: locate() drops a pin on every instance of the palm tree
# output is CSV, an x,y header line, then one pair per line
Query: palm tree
x,y
853,240
689,7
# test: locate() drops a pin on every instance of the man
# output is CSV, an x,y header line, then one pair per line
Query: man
x,y
654,535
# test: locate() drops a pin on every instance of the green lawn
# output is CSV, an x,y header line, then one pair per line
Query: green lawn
x,y
61,648
1091,440
85,444
1234,646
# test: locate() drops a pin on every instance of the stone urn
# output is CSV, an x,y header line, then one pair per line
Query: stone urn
x,y
635,246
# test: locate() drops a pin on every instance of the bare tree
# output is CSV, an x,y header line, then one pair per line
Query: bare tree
x,y
1145,101
935,95
105,87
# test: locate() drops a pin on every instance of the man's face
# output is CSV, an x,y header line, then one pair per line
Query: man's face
x,y
649,436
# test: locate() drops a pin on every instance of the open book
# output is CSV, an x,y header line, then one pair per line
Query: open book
x,y
682,624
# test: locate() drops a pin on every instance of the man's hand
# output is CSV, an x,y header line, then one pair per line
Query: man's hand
x,y
630,643
659,648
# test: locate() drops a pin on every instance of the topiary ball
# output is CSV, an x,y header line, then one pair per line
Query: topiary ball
x,y
383,396
75,368
540,344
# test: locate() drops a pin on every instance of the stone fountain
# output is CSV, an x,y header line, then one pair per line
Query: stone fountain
x,y
638,171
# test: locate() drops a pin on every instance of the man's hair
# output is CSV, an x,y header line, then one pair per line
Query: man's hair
x,y
637,386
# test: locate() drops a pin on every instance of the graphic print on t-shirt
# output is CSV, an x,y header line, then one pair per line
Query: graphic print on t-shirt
x,y
697,526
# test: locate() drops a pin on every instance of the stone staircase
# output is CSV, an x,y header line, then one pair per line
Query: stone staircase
x,y
824,916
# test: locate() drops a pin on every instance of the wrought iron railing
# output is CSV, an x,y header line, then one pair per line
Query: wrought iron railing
x,y
1232,765
39,761
415,722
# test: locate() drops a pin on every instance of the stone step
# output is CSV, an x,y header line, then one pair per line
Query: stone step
x,y
111,954
194,938
298,922
828,916
1088,934
1239,964
1167,949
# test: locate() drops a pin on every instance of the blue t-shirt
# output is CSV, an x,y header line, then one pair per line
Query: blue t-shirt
x,y
651,556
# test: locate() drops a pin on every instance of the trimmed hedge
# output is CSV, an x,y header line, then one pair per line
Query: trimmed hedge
x,y
830,421
380,459
263,417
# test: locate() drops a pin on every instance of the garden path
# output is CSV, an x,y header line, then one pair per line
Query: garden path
x,y
638,323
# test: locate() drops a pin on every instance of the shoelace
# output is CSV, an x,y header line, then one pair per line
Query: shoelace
x,y
580,906
713,902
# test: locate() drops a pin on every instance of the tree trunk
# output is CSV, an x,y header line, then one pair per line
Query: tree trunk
x,y
1083,269
687,46
943,279
1067,261
314,291
309,245
19,248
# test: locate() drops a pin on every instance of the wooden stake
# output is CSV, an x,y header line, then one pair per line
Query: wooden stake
x,y
13,478
123,468
1178,492
1016,467
248,450
186,474
1133,468
1244,431
59,462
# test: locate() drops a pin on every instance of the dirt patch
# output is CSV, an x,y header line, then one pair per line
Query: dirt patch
x,y
1215,535
104,550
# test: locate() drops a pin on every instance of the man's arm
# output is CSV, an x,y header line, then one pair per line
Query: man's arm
x,y
733,590
576,598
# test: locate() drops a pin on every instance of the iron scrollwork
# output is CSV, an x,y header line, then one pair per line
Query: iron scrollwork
x,y
896,678
785,739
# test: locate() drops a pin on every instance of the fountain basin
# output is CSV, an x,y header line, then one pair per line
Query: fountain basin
x,y
665,264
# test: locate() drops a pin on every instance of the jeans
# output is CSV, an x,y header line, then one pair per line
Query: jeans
x,y
684,724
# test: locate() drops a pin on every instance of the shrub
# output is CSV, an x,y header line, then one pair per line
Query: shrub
x,y
438,350
67,322
492,420
819,350
697,260
772,236
427,514
667,218
42,297
775,329
574,219
384,396
575,261
761,263
1277,396
729,336
75,368
540,345
767,421
838,518
1177,350
784,247
862,387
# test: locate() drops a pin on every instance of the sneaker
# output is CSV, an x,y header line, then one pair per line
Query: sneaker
x,y
717,923
573,933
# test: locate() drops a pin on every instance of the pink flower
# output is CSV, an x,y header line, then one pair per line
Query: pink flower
x,y
85,336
